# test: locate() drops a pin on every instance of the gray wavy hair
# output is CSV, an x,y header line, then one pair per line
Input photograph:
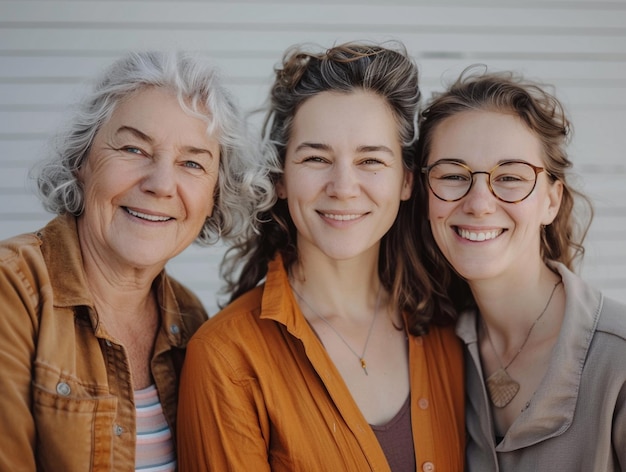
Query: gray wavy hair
x,y
241,192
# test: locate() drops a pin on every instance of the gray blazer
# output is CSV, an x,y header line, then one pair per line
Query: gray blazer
x,y
576,420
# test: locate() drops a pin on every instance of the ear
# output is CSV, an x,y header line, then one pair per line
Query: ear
x,y
555,195
407,186
281,191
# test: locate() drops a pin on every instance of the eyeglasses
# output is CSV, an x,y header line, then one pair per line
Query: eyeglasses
x,y
509,181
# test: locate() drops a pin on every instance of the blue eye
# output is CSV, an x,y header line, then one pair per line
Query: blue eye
x,y
193,165
132,150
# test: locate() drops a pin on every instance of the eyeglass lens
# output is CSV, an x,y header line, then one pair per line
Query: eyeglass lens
x,y
509,181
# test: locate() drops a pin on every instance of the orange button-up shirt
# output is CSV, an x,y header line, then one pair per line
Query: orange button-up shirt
x,y
259,393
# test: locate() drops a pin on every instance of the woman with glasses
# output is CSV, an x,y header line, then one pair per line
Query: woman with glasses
x,y
545,376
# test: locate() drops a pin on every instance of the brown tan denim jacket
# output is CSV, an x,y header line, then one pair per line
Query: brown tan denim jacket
x,y
66,395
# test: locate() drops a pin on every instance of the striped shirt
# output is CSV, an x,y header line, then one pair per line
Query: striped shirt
x,y
155,445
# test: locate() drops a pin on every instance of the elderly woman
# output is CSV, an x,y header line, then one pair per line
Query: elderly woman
x,y
92,330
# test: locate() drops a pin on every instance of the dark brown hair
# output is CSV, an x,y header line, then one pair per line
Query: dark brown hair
x,y
389,72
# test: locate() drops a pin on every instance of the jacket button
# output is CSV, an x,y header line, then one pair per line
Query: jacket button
x,y
174,329
63,389
118,430
428,467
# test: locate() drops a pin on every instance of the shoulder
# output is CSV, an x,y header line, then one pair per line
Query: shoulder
x,y
188,305
588,305
22,262
236,342
238,320
612,320
23,246
184,296
603,365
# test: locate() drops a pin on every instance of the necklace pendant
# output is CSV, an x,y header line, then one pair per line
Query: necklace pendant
x,y
502,388
363,366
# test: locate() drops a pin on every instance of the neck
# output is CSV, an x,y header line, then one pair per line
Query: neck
x,y
509,307
118,293
341,288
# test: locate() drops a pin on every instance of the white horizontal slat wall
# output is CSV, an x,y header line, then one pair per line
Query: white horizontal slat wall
x,y
50,50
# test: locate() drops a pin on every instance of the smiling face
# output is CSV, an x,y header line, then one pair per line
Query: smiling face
x,y
481,236
343,177
149,181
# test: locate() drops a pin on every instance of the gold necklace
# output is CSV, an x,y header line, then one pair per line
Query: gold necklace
x,y
501,386
361,358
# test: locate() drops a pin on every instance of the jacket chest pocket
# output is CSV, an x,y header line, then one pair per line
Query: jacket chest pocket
x,y
74,424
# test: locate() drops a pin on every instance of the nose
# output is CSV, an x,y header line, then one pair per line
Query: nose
x,y
343,181
160,178
479,200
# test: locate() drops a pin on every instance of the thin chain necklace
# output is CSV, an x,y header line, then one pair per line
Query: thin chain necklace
x,y
361,357
501,387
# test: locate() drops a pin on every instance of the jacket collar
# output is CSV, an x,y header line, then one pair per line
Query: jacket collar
x,y
64,260
551,410
62,255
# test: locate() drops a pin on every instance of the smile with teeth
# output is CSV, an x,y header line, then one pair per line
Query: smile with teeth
x,y
334,216
144,216
478,235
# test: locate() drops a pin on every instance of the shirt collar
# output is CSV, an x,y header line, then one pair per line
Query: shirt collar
x,y
62,255
551,409
278,302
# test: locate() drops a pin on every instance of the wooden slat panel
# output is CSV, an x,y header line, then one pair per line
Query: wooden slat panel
x,y
48,96
26,224
72,69
59,97
29,122
21,153
19,203
259,15
598,137
13,179
47,39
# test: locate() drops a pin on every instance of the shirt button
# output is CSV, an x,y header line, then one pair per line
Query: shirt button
x,y
174,329
107,342
63,389
428,467
118,430
423,403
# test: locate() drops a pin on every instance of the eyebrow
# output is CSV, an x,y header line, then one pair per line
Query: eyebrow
x,y
326,147
136,132
463,161
143,136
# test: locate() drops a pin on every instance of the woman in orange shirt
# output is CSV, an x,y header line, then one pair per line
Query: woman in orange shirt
x,y
332,363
